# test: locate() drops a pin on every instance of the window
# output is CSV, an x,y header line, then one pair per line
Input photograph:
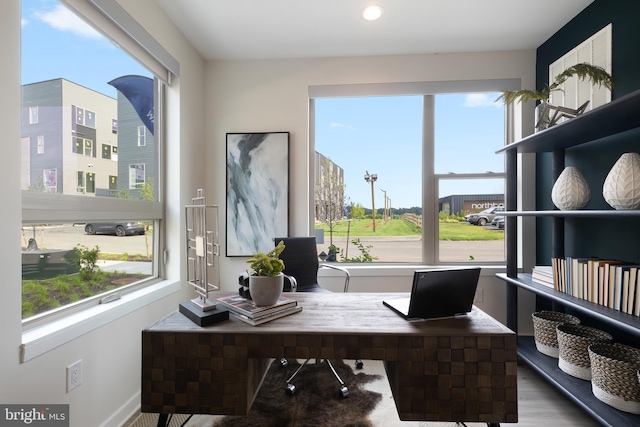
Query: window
x,y
40,144
33,115
60,209
142,136
136,176
50,178
79,116
413,168
80,181
83,146
90,119
113,184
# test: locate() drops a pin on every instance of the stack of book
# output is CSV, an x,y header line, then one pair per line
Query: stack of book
x,y
247,311
611,283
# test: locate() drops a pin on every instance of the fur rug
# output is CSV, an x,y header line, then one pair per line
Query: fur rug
x,y
316,402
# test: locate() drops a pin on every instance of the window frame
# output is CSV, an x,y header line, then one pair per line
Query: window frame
x,y
430,235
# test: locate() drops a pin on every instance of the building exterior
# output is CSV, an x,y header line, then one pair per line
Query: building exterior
x,y
469,203
78,141
329,190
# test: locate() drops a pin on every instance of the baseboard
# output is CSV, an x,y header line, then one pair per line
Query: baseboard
x,y
124,413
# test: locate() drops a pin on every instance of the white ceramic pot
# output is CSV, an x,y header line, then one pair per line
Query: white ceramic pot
x,y
265,290
570,191
621,188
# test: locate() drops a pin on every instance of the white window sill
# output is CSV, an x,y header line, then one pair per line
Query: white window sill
x,y
42,339
396,270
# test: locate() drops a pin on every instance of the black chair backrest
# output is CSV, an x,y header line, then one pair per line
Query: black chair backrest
x,y
300,257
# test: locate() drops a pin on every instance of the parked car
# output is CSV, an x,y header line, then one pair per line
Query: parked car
x,y
486,216
125,228
498,221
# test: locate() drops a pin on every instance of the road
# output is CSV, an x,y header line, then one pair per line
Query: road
x,y
386,249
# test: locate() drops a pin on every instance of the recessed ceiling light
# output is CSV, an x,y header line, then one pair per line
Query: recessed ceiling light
x,y
372,12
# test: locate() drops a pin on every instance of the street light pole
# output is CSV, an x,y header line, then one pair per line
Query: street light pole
x,y
384,211
372,178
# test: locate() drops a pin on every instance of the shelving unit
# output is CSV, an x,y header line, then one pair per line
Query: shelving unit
x,y
617,117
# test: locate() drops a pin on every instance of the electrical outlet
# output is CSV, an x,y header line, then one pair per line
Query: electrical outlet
x,y
478,297
74,375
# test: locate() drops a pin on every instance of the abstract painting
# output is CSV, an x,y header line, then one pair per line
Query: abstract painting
x,y
257,191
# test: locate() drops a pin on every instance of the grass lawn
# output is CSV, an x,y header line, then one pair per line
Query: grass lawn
x,y
398,227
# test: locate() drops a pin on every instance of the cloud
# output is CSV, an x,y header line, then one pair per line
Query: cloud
x,y
62,19
23,22
482,100
342,126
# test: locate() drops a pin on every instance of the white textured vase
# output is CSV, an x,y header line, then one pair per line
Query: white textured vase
x,y
265,290
571,191
621,188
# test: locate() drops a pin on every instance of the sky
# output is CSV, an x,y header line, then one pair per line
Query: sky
x,y
383,135
380,135
53,38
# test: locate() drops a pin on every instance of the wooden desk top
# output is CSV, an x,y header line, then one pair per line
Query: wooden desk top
x,y
336,313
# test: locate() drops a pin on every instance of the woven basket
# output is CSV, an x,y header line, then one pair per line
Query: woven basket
x,y
544,330
614,375
573,343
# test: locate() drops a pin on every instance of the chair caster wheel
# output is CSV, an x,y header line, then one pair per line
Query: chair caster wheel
x,y
284,363
290,389
344,391
359,364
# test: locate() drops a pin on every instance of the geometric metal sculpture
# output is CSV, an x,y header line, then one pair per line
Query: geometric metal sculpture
x,y
203,249
203,252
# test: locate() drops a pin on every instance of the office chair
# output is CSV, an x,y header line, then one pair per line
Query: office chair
x,y
301,266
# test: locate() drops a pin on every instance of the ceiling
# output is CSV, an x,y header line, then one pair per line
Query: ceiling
x,y
276,29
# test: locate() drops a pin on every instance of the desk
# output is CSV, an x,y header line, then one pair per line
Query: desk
x,y
461,369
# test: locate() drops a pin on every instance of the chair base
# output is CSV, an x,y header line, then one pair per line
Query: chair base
x,y
290,388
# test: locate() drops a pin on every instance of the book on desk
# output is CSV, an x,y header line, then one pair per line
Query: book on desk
x,y
266,317
246,310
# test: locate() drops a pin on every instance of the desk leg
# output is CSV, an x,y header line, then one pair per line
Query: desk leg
x,y
162,420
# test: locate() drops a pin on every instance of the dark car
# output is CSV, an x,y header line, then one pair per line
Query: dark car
x,y
125,228
498,221
486,216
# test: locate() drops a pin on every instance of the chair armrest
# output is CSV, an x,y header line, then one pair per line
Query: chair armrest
x,y
344,270
293,283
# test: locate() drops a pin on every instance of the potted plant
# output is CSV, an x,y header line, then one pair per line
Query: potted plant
x,y
597,75
266,279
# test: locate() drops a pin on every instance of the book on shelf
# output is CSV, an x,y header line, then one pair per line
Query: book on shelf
x,y
542,274
258,320
611,283
246,307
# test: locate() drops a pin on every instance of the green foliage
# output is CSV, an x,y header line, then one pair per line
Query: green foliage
x,y
268,264
147,191
597,75
123,193
39,296
356,211
365,256
87,260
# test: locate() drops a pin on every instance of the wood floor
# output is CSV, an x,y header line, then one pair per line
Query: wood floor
x,y
539,405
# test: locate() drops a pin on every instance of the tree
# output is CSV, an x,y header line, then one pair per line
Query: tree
x,y
356,211
329,192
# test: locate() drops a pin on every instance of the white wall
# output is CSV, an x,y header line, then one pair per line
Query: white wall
x,y
109,392
268,96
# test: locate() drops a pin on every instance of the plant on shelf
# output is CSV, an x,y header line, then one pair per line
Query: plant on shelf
x,y
597,75
268,264
266,281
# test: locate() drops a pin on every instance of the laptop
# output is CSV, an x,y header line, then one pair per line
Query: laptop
x,y
438,293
